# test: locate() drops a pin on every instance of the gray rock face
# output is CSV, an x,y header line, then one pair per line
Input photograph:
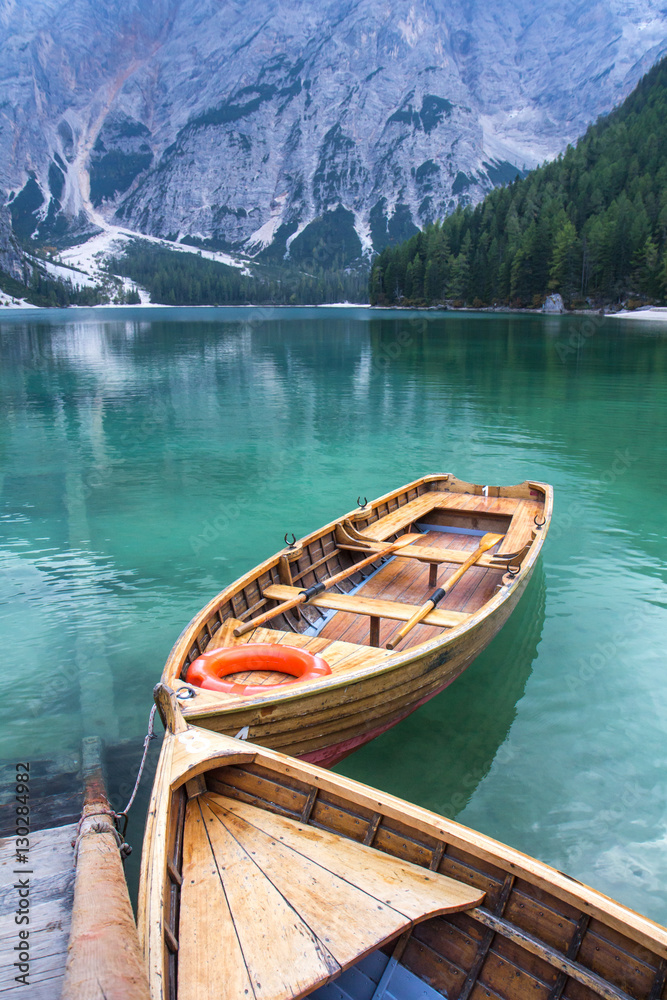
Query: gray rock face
x,y
240,123
11,260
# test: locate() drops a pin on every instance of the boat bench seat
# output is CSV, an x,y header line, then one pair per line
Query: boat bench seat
x,y
354,603
341,656
519,533
404,516
522,526
417,510
426,554
265,900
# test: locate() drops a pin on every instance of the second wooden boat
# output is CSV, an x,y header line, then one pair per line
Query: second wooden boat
x,y
267,878
376,613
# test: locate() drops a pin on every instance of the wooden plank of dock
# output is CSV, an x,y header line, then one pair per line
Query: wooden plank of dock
x,y
56,793
56,796
51,873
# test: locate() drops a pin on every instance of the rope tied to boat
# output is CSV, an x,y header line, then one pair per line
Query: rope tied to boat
x,y
150,735
84,827
116,817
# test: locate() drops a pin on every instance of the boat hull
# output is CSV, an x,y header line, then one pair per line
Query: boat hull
x,y
331,755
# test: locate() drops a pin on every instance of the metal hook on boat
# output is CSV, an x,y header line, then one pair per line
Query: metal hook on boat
x,y
184,694
117,819
539,524
291,544
513,570
360,504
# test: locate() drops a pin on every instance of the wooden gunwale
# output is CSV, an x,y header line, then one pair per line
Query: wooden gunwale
x,y
480,846
353,706
568,937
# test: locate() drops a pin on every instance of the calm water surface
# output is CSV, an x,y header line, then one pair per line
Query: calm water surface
x,y
149,457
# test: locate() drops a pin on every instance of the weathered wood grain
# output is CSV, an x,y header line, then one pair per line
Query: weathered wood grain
x,y
52,888
538,933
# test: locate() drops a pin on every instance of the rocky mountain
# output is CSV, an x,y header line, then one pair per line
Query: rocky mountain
x,y
588,226
11,260
315,128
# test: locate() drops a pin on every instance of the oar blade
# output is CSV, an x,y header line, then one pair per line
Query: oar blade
x,y
488,541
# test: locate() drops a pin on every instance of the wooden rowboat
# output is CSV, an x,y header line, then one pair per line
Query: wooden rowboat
x,y
267,877
436,524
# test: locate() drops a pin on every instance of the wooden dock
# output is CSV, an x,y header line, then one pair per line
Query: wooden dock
x,y
56,799
51,874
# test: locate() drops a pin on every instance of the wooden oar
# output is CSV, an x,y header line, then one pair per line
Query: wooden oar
x,y
319,588
487,542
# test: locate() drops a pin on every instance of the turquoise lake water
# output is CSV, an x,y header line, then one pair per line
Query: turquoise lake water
x,y
148,457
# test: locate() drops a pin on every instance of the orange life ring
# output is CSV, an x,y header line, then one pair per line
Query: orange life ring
x,y
208,669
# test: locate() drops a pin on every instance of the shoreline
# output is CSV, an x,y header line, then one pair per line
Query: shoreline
x,y
650,314
21,306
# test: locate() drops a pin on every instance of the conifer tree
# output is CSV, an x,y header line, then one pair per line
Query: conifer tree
x,y
565,263
593,222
